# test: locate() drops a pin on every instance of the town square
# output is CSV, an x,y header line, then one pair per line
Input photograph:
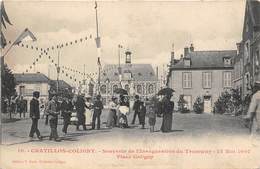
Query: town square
x,y
129,84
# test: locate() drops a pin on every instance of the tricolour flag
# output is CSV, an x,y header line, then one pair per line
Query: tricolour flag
x,y
26,35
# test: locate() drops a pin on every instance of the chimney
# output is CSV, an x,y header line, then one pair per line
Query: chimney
x,y
172,55
238,48
191,48
186,51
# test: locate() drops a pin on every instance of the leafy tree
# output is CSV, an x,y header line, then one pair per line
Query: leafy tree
x,y
224,103
198,106
8,82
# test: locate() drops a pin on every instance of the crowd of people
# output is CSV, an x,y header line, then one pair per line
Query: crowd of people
x,y
89,112
17,104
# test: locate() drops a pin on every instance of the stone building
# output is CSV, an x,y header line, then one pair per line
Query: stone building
x,y
250,46
204,74
27,83
138,79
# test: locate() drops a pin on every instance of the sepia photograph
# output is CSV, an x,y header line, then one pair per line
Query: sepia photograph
x,y
127,84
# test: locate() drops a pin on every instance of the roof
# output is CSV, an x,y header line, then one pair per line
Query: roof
x,y
206,60
140,72
31,78
254,7
62,84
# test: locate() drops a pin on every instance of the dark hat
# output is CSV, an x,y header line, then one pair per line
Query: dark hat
x,y
136,97
36,94
98,96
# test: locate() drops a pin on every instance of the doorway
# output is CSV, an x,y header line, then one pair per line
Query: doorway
x,y
207,104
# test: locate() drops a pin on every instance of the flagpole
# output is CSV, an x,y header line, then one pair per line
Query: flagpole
x,y
98,48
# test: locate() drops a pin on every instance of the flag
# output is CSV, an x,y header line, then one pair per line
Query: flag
x,y
95,4
25,36
3,41
4,16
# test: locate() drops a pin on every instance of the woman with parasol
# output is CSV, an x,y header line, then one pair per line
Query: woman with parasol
x,y
167,109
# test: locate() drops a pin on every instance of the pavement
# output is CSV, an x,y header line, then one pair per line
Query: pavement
x,y
189,125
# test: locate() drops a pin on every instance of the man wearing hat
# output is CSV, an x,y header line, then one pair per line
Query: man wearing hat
x,y
136,108
52,110
80,108
35,115
98,106
254,111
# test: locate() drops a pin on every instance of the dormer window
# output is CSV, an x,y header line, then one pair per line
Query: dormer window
x,y
187,62
227,61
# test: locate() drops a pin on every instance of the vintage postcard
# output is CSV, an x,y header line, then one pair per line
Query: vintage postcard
x,y
120,84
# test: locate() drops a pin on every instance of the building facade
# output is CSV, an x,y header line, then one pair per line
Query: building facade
x,y
139,79
250,46
204,74
27,83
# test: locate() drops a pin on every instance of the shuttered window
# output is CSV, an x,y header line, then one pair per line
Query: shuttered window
x,y
206,79
186,80
227,78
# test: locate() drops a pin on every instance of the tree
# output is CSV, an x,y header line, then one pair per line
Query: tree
x,y
237,101
8,82
182,105
224,103
198,106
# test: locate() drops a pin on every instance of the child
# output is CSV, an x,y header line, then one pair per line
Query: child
x,y
152,118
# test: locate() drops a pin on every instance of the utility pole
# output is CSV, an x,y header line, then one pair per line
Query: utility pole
x,y
58,71
119,65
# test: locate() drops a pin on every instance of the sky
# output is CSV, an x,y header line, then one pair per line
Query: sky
x,y
147,28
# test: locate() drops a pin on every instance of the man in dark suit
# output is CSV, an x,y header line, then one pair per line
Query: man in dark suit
x,y
80,108
136,108
98,106
35,115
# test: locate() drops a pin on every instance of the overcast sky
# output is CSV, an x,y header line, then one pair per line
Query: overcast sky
x,y
148,29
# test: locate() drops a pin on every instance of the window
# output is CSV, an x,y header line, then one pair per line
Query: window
x,y
38,88
247,51
114,88
187,62
22,90
206,79
103,89
151,89
227,61
127,76
186,80
139,89
227,79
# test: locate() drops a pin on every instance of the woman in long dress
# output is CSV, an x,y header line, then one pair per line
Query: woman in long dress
x,y
112,117
88,111
167,108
